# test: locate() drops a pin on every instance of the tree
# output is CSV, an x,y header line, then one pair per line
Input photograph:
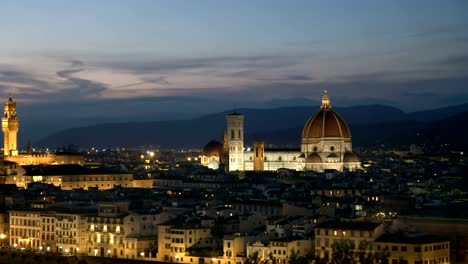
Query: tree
x,y
295,259
343,252
253,258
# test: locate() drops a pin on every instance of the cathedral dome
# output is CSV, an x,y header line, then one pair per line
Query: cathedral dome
x,y
326,123
213,148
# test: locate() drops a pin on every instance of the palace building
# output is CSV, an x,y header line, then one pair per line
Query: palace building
x,y
10,127
325,145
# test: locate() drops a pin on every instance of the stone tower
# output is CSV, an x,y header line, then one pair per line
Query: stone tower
x,y
258,148
235,134
10,127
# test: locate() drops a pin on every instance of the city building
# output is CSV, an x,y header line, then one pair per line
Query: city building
x,y
280,250
10,127
177,236
325,145
358,233
415,248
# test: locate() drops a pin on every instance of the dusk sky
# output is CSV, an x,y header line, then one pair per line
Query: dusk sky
x,y
182,55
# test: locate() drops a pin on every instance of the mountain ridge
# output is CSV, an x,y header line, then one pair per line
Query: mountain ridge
x,y
196,132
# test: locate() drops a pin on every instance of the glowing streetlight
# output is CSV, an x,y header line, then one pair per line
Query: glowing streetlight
x,y
142,254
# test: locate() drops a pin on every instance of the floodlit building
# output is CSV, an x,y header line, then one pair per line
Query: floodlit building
x,y
358,233
280,250
10,127
325,145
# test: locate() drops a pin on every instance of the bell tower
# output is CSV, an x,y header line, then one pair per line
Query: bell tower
x,y
10,127
235,138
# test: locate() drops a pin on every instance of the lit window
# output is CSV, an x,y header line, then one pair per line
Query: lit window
x,y
335,232
104,228
117,229
91,228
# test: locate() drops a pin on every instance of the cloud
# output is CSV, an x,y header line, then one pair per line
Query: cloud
x,y
162,80
76,63
459,61
164,65
75,86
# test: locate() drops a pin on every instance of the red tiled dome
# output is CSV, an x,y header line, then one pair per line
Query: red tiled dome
x,y
326,123
213,148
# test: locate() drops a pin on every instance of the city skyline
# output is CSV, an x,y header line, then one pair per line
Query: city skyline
x,y
409,55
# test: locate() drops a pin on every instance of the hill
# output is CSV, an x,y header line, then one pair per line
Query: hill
x,y
279,126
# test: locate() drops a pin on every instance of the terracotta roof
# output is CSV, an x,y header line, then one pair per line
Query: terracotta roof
x,y
313,158
213,148
417,239
348,225
350,157
326,123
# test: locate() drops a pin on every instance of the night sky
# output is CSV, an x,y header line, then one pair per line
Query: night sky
x,y
169,59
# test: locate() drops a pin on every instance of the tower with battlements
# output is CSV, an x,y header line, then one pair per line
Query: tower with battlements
x,y
10,127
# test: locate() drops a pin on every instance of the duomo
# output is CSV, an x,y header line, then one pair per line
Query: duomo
x,y
325,145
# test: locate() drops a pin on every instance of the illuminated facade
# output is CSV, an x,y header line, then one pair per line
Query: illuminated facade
x,y
174,239
10,127
72,176
325,145
113,231
359,233
280,250
417,248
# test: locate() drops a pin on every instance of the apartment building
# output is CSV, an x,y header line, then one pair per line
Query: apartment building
x,y
329,232
414,248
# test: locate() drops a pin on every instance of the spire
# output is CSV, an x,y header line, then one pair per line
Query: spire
x,y
325,101
29,148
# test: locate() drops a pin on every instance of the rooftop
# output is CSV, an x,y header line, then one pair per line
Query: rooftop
x,y
349,225
411,238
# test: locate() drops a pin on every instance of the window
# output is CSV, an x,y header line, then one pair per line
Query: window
x,y
404,249
394,248
417,249
332,148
